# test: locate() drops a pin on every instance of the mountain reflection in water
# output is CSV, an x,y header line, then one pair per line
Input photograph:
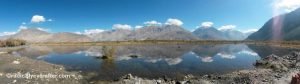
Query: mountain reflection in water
x,y
148,61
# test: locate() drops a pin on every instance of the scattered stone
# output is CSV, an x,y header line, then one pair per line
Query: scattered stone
x,y
104,57
178,82
277,76
158,81
133,56
209,76
3,52
16,62
265,80
14,81
166,78
128,76
219,77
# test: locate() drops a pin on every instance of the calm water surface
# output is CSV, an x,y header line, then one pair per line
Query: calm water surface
x,y
151,61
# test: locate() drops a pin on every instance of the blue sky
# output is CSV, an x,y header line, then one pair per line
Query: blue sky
x,y
80,15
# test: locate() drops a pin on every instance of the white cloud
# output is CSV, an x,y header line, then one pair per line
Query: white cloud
x,y
122,26
153,60
38,19
23,23
90,31
248,52
7,33
93,31
77,32
170,61
207,59
249,30
152,23
172,21
227,27
207,24
226,56
286,5
43,29
173,61
22,27
138,26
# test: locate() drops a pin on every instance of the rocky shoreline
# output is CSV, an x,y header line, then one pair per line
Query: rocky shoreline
x,y
270,70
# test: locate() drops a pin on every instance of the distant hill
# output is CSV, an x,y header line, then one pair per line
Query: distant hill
x,y
209,33
282,27
112,35
32,35
36,35
68,37
231,34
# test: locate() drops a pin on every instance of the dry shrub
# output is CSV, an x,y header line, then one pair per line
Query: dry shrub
x,y
12,43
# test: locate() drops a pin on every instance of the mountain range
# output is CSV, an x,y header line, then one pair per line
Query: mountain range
x,y
282,27
36,35
211,33
165,32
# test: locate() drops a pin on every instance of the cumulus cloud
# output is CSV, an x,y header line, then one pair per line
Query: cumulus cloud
x,y
43,29
207,24
173,61
248,52
172,21
12,33
152,23
90,31
249,30
93,31
22,27
122,26
170,61
153,60
227,27
138,26
7,33
77,32
207,59
226,56
286,5
38,19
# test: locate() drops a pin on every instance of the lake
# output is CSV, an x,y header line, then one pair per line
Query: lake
x,y
151,61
